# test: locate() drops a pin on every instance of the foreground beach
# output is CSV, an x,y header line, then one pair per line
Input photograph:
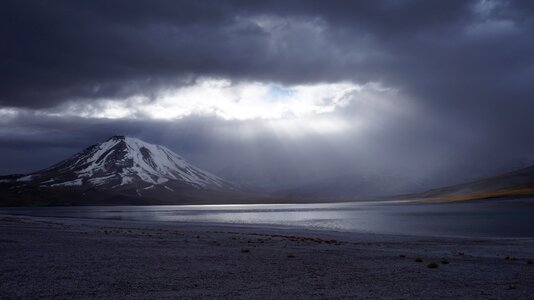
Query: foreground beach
x,y
83,258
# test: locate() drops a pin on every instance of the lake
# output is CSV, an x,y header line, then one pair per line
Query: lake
x,y
495,218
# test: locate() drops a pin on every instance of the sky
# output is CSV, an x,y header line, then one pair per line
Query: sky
x,y
275,93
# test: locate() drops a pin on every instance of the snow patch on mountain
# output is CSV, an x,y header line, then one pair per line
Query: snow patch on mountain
x,y
100,180
25,178
76,182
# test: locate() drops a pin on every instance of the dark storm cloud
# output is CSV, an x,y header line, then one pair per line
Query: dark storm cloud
x,y
64,50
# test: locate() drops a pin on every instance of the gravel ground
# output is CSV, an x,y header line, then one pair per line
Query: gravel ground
x,y
77,258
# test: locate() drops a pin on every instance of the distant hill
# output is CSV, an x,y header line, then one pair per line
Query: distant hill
x,y
513,184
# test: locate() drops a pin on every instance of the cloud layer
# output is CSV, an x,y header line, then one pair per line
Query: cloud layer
x,y
438,89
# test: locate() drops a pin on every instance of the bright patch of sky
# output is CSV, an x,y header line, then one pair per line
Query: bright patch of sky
x,y
225,99
296,109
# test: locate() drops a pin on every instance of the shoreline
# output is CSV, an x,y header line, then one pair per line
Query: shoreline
x,y
88,258
372,218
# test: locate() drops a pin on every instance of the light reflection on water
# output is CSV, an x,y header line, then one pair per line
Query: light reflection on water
x,y
510,218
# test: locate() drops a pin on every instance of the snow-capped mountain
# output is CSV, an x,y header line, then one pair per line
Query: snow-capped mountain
x,y
123,161
121,166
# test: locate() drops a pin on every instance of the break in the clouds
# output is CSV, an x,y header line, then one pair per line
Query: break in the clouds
x,y
432,88
222,98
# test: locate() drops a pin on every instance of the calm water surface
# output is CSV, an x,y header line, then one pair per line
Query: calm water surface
x,y
506,218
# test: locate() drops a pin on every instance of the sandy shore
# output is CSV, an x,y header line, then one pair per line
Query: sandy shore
x,y
76,258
